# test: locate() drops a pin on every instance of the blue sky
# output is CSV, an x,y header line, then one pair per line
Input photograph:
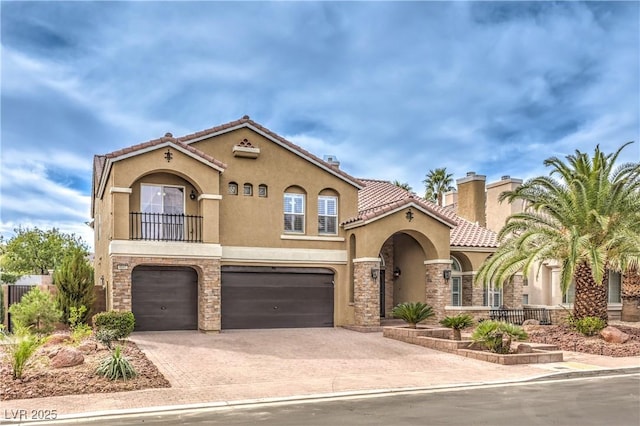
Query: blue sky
x,y
392,89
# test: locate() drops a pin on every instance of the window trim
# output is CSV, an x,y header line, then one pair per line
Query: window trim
x,y
285,213
325,198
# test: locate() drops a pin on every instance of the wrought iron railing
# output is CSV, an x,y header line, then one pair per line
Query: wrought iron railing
x,y
518,316
165,227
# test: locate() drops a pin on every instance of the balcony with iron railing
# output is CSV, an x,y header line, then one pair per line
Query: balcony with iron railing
x,y
165,227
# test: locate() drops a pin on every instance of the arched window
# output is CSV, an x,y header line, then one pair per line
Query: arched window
x,y
247,189
262,191
456,282
232,188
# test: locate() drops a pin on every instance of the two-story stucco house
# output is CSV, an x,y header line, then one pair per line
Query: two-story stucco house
x,y
236,227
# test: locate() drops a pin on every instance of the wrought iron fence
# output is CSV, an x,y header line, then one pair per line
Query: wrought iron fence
x,y
518,316
165,227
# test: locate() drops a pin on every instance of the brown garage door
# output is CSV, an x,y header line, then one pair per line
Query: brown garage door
x,y
265,297
164,298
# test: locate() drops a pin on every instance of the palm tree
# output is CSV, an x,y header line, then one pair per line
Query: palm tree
x,y
437,182
588,220
403,185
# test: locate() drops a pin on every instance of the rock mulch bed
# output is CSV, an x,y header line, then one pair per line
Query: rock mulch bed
x,y
42,380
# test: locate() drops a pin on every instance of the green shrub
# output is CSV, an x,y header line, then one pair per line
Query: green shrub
x,y
457,323
36,311
589,326
105,336
121,323
413,312
74,281
116,366
496,336
22,345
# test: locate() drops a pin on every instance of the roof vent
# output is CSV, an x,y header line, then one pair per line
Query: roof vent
x,y
168,135
471,173
505,177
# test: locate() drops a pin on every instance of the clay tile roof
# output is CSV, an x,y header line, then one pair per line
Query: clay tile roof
x,y
379,197
162,140
245,120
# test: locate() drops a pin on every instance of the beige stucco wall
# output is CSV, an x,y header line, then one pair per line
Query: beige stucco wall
x,y
258,221
471,198
497,212
409,257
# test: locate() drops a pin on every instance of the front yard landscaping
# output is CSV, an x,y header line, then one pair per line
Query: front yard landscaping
x,y
40,379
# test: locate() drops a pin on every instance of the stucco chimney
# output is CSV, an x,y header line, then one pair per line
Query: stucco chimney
x,y
332,160
471,198
497,212
450,197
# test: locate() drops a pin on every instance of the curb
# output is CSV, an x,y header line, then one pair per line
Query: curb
x,y
306,399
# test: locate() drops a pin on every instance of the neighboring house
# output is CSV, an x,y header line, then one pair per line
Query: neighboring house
x,y
236,227
542,286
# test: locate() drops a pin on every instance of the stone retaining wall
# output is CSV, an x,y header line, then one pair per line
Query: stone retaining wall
x,y
440,339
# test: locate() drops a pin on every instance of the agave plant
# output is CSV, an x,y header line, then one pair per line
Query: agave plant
x,y
498,335
457,323
413,312
116,366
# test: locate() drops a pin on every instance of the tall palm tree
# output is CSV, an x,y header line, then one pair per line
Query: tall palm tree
x,y
437,182
588,220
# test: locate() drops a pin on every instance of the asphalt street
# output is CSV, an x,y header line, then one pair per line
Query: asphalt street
x,y
579,401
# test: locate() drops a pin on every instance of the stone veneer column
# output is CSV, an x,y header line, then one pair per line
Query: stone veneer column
x,y
209,299
366,295
467,290
437,290
478,292
512,292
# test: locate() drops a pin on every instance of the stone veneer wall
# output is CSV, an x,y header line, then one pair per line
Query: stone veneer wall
x,y
467,290
208,285
478,293
512,292
437,290
366,297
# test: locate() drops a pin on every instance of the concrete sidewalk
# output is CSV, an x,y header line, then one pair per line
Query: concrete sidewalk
x,y
282,363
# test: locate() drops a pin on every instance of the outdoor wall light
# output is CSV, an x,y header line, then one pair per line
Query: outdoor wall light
x,y
446,274
193,195
396,272
409,215
374,273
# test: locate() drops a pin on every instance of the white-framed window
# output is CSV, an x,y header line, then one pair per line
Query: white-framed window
x,y
570,295
327,215
247,189
456,282
262,190
162,209
456,291
615,287
492,296
232,188
294,212
525,299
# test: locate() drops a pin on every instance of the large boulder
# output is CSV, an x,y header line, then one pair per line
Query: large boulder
x,y
87,347
530,322
67,357
613,335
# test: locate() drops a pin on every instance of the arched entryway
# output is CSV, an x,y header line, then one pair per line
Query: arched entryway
x,y
402,277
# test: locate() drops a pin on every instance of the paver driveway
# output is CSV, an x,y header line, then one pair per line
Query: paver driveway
x,y
285,362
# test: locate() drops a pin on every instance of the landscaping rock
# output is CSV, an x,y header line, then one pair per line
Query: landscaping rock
x,y
57,339
53,352
67,357
613,335
87,347
531,322
523,348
